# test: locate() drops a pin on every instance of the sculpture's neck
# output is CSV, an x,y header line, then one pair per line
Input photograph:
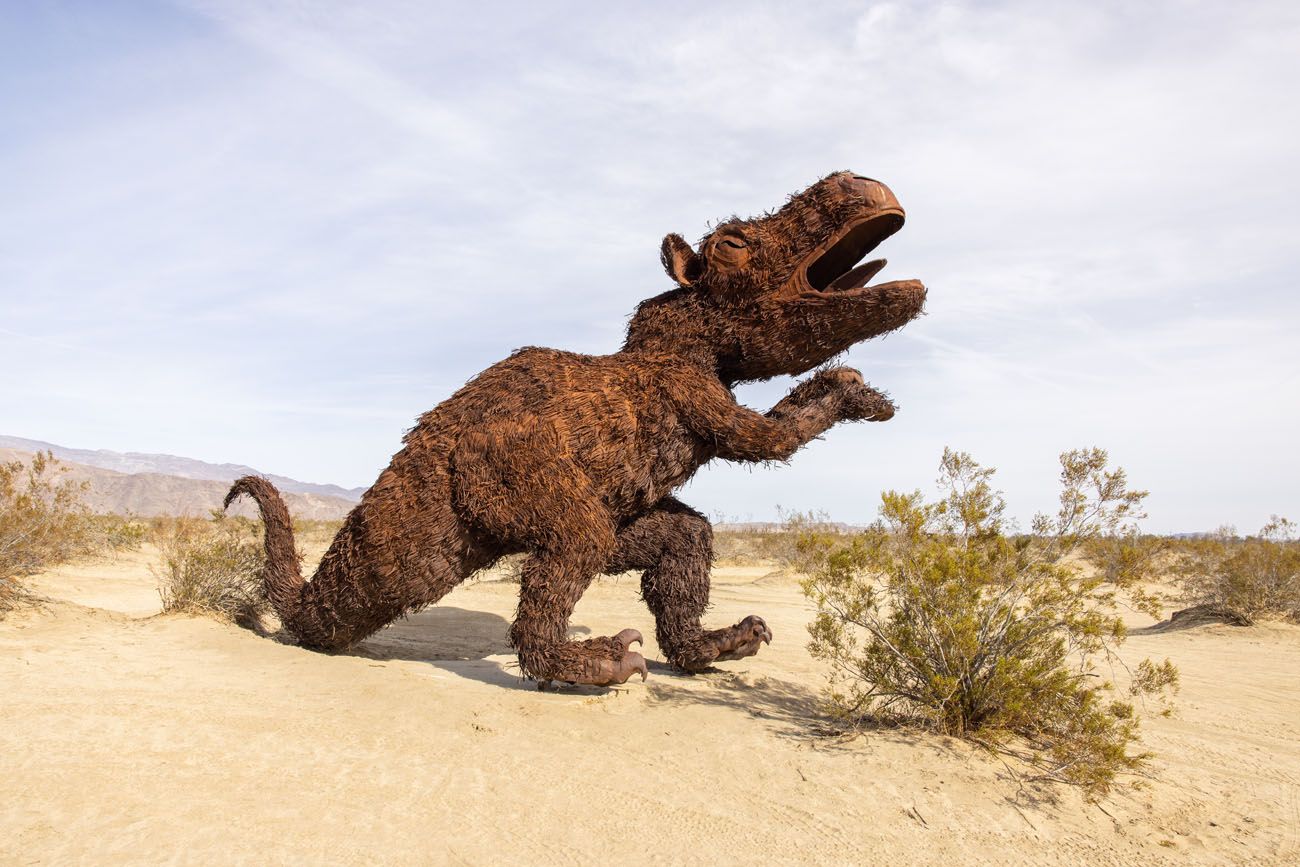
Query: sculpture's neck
x,y
692,349
682,325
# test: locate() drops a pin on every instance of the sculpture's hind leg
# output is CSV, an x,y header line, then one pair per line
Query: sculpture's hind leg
x,y
516,485
674,545
552,583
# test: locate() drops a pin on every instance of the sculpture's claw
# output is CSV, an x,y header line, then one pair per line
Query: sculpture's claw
x,y
744,638
635,662
865,403
719,645
627,636
611,672
594,662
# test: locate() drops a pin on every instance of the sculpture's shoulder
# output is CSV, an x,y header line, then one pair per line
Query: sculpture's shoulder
x,y
539,379
532,377
533,357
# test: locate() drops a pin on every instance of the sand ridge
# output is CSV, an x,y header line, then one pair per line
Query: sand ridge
x,y
130,737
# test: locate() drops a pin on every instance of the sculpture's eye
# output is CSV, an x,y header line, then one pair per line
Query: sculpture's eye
x,y
728,250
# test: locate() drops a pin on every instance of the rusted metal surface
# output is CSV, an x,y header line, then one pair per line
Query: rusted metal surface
x,y
573,458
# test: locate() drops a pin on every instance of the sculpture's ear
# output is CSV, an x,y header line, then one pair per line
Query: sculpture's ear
x,y
681,262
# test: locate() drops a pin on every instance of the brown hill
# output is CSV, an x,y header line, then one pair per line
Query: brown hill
x,y
134,463
150,494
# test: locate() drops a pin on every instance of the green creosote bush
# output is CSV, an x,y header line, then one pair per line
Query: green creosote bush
x,y
935,616
787,547
1129,559
1257,578
211,567
44,521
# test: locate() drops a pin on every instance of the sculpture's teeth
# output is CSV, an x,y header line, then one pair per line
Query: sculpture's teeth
x,y
856,278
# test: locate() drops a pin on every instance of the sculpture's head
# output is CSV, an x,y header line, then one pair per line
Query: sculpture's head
x,y
783,293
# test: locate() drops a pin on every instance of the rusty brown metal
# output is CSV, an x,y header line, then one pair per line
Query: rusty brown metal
x,y
573,458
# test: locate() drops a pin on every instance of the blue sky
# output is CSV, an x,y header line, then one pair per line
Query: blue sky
x,y
275,233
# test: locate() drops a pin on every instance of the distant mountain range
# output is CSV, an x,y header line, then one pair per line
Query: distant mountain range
x,y
149,484
171,465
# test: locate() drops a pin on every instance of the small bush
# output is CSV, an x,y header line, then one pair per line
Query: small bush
x,y
512,568
779,544
44,522
1253,579
739,546
790,547
212,567
935,616
117,532
1129,559
312,533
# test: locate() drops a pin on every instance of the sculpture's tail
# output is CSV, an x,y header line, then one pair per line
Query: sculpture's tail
x,y
283,571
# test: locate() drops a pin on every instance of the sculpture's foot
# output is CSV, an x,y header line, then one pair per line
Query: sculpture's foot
x,y
596,661
720,645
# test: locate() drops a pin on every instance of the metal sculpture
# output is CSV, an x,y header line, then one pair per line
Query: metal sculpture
x,y
572,459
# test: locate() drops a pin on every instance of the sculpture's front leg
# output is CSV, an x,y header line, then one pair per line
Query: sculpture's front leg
x,y
673,544
738,433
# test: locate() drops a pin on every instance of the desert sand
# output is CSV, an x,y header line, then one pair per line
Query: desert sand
x,y
131,737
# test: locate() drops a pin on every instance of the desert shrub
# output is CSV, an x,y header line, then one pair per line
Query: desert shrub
x,y
117,532
511,567
211,567
44,521
779,544
1129,558
315,533
739,545
1253,579
935,616
792,547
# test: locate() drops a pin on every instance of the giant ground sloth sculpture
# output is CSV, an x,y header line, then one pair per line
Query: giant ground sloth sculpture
x,y
573,458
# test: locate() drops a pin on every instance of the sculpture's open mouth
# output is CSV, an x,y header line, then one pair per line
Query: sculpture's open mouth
x,y
836,306
837,269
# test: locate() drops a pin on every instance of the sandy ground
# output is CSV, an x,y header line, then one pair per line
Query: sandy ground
x,y
127,737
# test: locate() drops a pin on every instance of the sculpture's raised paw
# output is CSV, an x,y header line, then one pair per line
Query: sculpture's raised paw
x,y
743,639
861,402
855,399
843,376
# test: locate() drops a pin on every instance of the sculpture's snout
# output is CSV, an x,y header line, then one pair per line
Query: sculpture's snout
x,y
879,197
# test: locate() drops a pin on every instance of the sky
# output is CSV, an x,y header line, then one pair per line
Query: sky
x,y
274,233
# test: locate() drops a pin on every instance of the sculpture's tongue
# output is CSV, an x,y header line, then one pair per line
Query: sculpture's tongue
x,y
856,278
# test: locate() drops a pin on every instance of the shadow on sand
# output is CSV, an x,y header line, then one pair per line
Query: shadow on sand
x,y
794,708
1189,618
439,633
459,641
